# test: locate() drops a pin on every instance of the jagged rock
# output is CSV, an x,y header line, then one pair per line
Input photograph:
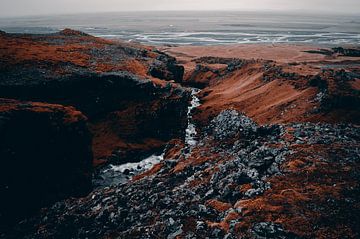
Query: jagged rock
x,y
265,230
230,123
166,68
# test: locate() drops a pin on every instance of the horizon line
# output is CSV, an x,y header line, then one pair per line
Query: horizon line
x,y
303,11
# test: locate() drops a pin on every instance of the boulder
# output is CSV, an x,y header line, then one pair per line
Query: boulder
x,y
166,68
45,155
230,123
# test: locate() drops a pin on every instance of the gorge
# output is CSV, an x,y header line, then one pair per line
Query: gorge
x,y
111,139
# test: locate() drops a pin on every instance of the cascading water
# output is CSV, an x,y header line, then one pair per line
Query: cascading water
x,y
190,136
119,174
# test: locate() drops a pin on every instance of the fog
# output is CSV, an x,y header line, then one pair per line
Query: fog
x,y
41,7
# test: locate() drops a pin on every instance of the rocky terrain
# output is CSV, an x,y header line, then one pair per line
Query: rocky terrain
x,y
279,181
268,148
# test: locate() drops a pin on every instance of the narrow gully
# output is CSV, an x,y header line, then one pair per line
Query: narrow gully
x,y
120,174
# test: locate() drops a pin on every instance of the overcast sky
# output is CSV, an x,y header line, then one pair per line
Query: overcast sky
x,y
39,7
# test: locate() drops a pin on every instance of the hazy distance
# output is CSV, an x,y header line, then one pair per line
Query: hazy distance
x,y
46,7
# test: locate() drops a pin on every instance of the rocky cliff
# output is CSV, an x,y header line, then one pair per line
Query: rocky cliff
x,y
130,112
45,154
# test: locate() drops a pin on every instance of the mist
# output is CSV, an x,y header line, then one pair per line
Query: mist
x,y
46,7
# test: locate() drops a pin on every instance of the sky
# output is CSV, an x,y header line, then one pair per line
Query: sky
x,y
48,7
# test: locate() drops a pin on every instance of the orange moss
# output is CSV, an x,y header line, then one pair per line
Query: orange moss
x,y
108,137
156,168
195,159
217,205
135,67
25,49
245,187
290,201
75,50
71,115
277,101
225,224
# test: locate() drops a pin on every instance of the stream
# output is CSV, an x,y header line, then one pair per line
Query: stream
x,y
120,174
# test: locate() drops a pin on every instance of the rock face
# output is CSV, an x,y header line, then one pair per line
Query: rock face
x,y
98,95
166,68
130,112
45,154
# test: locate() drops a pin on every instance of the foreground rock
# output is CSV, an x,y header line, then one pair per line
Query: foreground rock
x,y
45,156
241,180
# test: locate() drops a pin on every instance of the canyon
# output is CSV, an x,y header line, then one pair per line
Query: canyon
x,y
111,139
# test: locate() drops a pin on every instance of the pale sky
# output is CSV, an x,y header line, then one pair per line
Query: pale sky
x,y
40,7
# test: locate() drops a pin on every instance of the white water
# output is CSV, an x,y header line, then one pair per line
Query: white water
x,y
190,137
119,174
143,165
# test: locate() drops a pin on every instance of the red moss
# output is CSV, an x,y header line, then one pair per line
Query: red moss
x,y
225,224
156,168
71,115
75,50
308,184
217,205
